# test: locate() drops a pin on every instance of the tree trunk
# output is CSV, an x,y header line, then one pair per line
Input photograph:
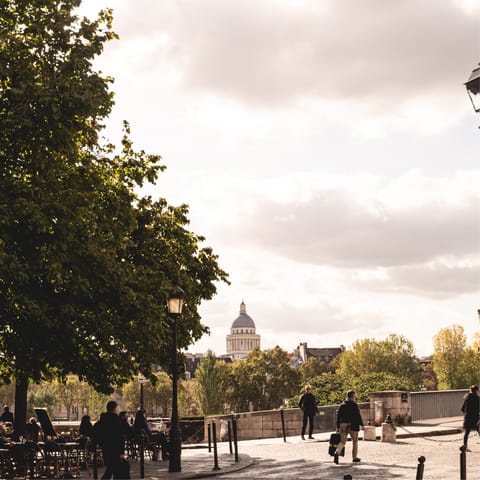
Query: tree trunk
x,y
20,418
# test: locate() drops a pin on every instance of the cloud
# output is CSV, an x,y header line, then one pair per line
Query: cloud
x,y
435,280
413,235
273,54
339,228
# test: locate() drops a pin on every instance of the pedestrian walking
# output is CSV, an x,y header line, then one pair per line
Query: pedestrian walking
x,y
349,422
471,413
108,432
308,405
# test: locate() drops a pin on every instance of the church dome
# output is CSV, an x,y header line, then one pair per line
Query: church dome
x,y
243,320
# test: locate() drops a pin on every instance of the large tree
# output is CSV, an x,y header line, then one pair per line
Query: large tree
x,y
85,264
263,380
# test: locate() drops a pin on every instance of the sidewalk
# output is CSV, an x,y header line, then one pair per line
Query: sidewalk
x,y
294,454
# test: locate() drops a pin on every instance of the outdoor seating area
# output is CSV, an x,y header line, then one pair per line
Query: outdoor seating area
x,y
50,459
64,454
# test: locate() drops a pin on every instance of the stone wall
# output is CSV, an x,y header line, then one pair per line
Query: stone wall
x,y
268,423
398,404
395,403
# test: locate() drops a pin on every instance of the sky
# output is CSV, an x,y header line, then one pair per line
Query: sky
x,y
328,152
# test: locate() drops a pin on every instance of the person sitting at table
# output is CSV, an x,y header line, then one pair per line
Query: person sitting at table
x,y
7,415
128,430
154,439
86,428
32,430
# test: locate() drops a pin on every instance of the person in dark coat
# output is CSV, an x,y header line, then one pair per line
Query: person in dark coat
x,y
349,421
155,440
7,415
471,412
108,432
308,405
32,430
86,428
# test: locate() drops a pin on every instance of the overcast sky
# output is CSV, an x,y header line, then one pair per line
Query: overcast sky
x,y
327,149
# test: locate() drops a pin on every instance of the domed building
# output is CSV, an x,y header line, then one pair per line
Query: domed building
x,y
242,338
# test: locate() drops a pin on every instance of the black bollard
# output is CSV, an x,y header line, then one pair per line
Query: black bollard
x,y
142,457
463,462
347,476
230,437
95,466
235,441
282,416
31,461
215,453
209,431
420,468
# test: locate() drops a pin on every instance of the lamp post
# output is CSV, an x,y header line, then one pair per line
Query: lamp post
x,y
175,305
142,379
473,88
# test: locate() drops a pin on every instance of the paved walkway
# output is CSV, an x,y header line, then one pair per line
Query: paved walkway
x,y
437,440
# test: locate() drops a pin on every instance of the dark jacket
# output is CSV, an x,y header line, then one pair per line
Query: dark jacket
x,y
348,412
6,417
108,432
308,403
471,410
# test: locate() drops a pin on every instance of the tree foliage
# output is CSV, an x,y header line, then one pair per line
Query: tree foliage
x,y
263,381
210,379
85,264
157,397
312,368
394,355
452,362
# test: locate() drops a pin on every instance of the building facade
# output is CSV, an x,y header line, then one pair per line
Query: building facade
x,y
243,337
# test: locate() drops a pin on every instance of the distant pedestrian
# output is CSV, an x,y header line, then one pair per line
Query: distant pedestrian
x,y
308,405
471,412
7,415
349,421
108,432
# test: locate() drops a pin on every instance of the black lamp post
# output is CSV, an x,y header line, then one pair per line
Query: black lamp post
x,y
473,88
175,305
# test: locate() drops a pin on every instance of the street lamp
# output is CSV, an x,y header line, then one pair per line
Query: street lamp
x,y
175,305
142,379
473,88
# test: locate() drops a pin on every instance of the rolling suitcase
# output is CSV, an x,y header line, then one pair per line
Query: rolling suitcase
x,y
332,446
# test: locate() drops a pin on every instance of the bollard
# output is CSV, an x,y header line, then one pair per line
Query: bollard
x,y
420,468
282,416
31,461
463,462
209,431
142,458
235,441
215,453
347,476
95,467
230,437
389,431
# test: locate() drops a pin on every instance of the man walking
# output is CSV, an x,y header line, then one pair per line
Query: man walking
x,y
471,412
349,421
308,405
108,432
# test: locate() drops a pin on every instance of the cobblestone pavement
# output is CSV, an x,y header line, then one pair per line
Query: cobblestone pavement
x,y
270,459
379,460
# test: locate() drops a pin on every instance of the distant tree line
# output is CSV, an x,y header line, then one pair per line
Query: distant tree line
x,y
266,379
